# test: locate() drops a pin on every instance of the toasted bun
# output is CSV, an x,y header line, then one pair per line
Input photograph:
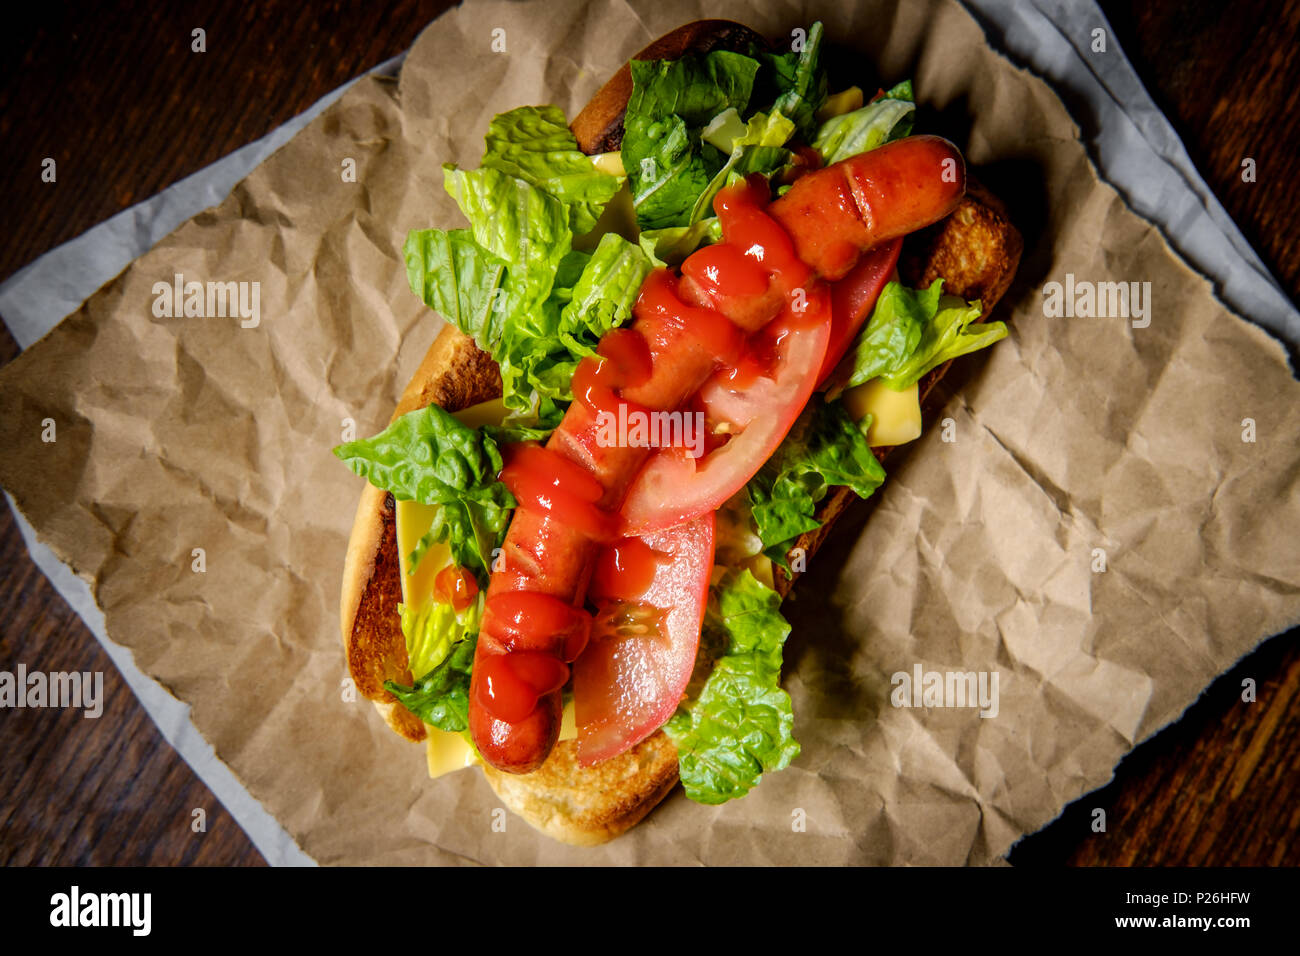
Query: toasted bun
x,y
586,806
975,249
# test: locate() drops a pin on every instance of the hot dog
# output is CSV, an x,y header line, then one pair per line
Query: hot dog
x,y
830,217
806,267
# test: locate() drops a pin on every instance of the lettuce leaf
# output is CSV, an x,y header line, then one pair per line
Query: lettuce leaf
x,y
458,278
739,725
667,162
674,243
760,149
909,333
518,223
510,431
535,144
673,170
428,456
513,282
441,697
824,448
604,293
432,631
799,82
946,337
889,338
879,122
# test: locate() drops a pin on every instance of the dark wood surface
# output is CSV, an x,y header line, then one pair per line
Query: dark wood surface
x,y
125,108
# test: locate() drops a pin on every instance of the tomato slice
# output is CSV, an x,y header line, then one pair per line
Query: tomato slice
x,y
854,296
631,676
754,405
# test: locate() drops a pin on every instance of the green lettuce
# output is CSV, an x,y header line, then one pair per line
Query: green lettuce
x,y
679,142
667,162
459,279
946,337
889,338
535,144
430,457
516,222
604,293
824,448
759,149
513,282
672,244
432,631
879,122
441,697
799,82
739,724
909,333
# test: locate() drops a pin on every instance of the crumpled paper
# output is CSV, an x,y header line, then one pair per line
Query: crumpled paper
x,y
1076,444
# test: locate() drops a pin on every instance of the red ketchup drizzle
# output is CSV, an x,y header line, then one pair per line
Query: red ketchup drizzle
x,y
624,362
756,250
624,570
455,586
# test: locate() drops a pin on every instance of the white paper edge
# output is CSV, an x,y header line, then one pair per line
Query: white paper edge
x,y
1137,150
171,716
78,268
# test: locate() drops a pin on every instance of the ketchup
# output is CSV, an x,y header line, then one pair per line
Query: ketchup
x,y
625,570
513,683
661,309
623,362
455,586
541,479
758,235
540,634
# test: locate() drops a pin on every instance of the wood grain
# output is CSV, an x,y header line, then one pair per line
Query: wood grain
x,y
118,99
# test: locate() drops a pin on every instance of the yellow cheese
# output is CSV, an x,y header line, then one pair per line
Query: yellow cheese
x,y
447,752
568,721
896,416
484,413
840,103
413,520
611,163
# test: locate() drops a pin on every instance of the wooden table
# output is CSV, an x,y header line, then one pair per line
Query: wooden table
x,y
126,108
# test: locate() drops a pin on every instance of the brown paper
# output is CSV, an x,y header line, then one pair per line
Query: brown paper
x,y
1072,435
